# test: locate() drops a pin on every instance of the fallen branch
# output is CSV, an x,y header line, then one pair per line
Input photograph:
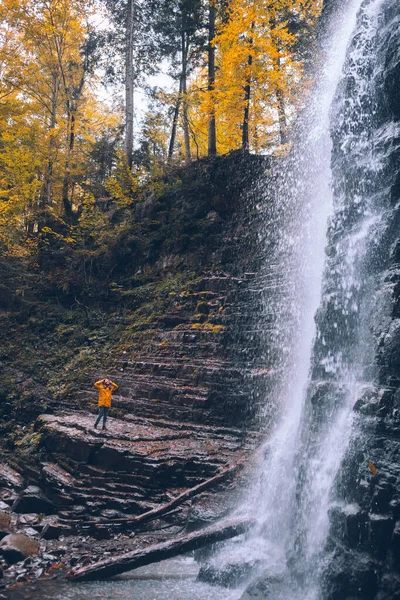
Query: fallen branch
x,y
156,552
165,508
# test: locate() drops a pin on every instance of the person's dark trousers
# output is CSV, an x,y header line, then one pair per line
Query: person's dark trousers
x,y
103,412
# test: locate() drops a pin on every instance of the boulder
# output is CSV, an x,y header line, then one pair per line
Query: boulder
x,y
16,547
5,524
380,530
350,575
349,524
229,575
33,500
265,588
380,501
51,531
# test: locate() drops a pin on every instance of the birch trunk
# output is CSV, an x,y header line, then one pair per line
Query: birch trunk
x,y
129,83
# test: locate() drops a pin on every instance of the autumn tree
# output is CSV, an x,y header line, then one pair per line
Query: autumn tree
x,y
49,115
259,59
180,28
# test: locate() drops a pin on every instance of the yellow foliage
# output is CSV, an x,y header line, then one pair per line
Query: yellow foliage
x,y
254,48
49,119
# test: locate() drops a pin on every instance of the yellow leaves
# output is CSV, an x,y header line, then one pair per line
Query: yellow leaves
x,y
58,236
255,48
42,77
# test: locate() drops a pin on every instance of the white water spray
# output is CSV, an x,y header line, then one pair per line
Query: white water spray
x,y
274,492
294,461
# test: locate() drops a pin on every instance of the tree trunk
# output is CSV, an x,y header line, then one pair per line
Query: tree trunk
x,y
175,121
129,81
67,203
179,101
48,186
157,552
72,108
247,96
212,132
281,110
165,508
185,48
282,116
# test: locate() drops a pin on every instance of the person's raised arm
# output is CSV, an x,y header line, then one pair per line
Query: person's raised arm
x,y
114,386
98,384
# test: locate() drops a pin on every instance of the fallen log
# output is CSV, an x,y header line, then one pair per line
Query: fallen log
x,y
165,508
156,552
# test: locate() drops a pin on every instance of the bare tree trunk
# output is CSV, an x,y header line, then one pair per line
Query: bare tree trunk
x,y
185,48
247,97
282,116
72,108
155,513
67,175
212,133
179,101
156,552
129,81
48,186
175,121
281,110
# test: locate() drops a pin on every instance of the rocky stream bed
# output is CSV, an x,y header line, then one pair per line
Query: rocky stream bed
x,y
58,516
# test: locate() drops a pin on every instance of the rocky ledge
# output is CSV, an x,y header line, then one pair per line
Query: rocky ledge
x,y
93,484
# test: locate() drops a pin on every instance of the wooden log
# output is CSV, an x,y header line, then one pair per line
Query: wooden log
x,y
165,508
116,565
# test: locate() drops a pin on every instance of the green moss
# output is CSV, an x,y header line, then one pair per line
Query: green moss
x,y
215,329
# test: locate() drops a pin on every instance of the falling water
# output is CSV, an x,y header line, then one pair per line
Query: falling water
x,y
303,453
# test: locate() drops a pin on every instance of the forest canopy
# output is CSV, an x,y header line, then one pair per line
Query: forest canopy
x,y
239,73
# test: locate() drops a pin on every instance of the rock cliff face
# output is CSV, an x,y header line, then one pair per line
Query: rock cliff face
x,y
183,350
365,526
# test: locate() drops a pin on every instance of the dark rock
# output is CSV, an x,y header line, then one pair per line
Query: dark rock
x,y
16,547
30,532
350,575
389,587
29,519
369,402
5,524
265,588
10,478
395,546
33,500
380,533
137,464
380,501
51,531
229,576
394,507
102,533
349,524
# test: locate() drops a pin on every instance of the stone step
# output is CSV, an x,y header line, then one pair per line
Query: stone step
x,y
104,501
91,483
56,476
10,478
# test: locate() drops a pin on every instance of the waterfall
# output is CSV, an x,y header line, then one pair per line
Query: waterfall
x,y
323,325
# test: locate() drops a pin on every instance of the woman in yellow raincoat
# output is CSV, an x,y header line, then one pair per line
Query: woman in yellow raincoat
x,y
106,388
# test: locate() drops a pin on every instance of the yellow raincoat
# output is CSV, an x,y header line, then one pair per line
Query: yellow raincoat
x,y
105,393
